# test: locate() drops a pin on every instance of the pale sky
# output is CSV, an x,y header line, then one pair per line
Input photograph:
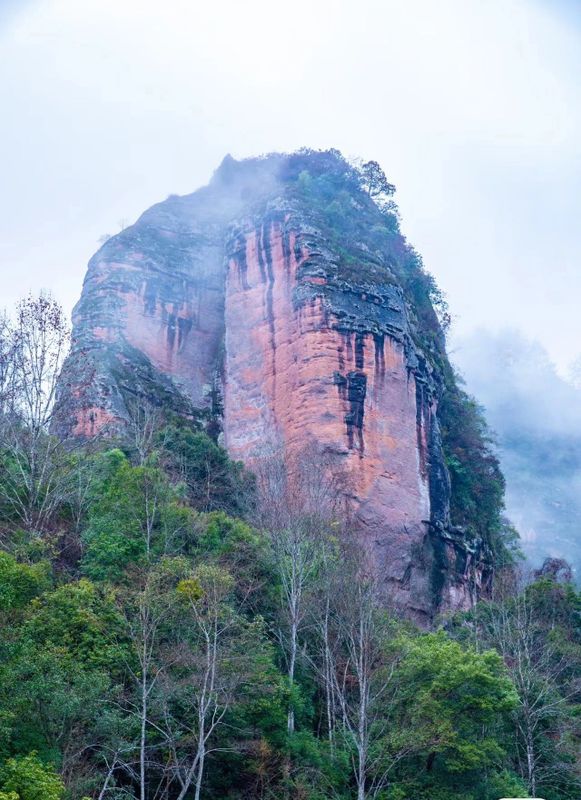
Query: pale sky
x,y
473,107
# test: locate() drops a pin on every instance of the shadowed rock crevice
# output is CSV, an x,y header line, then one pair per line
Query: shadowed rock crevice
x,y
356,390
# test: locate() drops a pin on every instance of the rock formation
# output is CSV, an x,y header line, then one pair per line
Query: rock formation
x,y
284,299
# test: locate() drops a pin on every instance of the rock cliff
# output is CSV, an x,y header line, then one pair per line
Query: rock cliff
x,y
283,302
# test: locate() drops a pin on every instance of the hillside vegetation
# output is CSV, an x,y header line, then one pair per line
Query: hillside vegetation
x,y
175,627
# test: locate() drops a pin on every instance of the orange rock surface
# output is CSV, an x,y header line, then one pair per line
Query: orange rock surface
x,y
287,383
236,291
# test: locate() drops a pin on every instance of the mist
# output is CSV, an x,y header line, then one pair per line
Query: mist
x,y
473,109
536,415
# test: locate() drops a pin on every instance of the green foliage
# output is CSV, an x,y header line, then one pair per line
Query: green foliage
x,y
477,499
112,538
47,699
362,233
353,207
244,551
374,181
82,619
162,575
213,481
19,583
537,630
27,778
445,713
134,513
454,694
147,635
224,535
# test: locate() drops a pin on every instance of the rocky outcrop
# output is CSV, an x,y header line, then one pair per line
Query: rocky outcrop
x,y
310,333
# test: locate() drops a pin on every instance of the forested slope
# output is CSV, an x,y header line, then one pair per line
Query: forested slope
x,y
173,626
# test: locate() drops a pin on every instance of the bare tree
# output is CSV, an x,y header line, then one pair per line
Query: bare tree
x,y
359,670
32,352
215,659
144,423
41,340
7,371
540,671
146,613
298,500
323,659
154,492
79,490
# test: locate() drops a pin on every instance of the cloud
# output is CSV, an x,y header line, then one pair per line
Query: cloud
x,y
537,418
9,9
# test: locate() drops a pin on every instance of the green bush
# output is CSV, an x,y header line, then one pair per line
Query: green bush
x,y
28,778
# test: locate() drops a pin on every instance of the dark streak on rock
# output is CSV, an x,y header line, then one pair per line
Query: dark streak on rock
x,y
348,345
379,340
241,263
341,356
184,327
171,330
340,382
267,248
421,438
149,298
356,391
286,251
298,251
259,246
325,314
359,350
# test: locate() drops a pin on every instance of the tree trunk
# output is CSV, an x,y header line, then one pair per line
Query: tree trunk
x,y
143,726
106,781
200,775
291,676
361,774
531,763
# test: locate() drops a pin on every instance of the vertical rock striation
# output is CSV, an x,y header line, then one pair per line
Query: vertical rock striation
x,y
283,282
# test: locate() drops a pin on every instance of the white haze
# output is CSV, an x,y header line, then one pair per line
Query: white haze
x,y
537,418
472,107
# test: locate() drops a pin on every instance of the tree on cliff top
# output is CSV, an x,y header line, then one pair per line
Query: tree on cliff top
x,y
374,180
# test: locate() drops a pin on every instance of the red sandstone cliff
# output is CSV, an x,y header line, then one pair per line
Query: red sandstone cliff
x,y
311,338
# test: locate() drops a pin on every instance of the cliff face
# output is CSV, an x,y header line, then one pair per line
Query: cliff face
x,y
284,289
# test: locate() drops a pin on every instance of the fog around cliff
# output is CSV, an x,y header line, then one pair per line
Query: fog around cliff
x,y
537,418
473,109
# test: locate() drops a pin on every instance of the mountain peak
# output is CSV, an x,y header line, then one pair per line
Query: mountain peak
x,y
283,307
